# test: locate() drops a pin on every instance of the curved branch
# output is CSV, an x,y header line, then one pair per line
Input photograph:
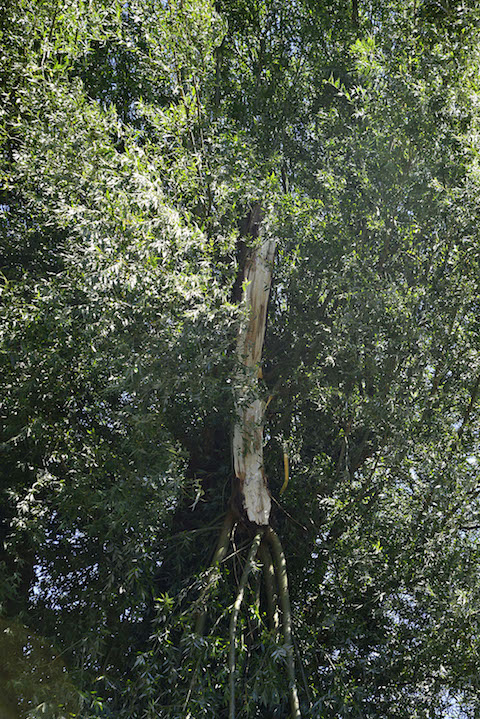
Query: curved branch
x,y
282,581
220,553
234,619
270,588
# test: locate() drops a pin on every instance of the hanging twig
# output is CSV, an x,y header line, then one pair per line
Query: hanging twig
x,y
287,514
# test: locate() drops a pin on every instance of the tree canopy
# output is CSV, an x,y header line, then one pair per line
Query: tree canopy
x,y
149,151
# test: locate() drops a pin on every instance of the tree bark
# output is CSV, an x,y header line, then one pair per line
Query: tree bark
x,y
250,407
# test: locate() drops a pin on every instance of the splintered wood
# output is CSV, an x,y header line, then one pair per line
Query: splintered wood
x,y
248,429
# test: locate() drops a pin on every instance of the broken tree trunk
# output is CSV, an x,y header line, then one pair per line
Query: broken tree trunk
x,y
250,407
254,280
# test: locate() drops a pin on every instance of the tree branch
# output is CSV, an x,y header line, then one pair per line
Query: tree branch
x,y
282,581
270,588
234,619
220,553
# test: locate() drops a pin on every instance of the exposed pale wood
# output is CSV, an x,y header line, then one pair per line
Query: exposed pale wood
x,y
248,429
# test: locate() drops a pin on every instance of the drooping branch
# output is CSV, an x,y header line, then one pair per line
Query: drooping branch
x,y
282,581
234,619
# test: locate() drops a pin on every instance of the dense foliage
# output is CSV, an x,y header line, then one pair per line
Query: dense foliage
x,y
135,139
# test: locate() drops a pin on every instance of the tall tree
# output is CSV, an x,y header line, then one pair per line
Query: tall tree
x,y
185,417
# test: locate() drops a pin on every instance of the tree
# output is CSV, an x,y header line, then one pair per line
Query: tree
x,y
151,154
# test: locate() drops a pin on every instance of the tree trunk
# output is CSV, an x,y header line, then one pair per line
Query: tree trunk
x,y
254,281
250,407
